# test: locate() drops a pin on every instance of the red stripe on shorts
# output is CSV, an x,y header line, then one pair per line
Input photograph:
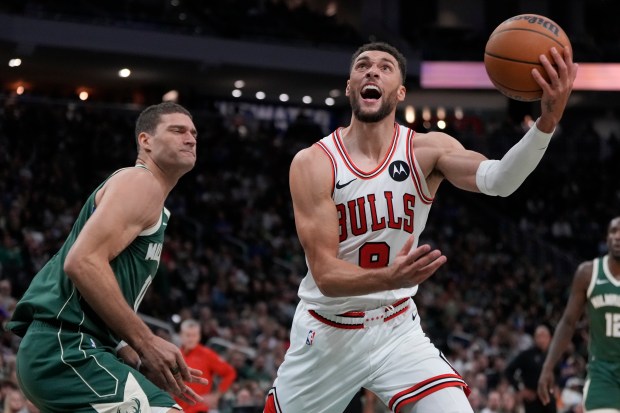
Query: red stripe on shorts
x,y
423,389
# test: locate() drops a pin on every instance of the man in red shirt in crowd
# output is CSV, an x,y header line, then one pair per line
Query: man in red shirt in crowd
x,y
209,362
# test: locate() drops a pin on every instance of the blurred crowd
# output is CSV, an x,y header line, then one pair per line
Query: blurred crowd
x,y
294,22
232,260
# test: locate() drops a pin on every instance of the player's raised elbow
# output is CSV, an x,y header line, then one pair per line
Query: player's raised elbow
x,y
72,265
492,180
76,265
505,192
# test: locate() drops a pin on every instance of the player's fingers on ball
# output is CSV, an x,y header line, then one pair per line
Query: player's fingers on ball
x,y
574,70
550,69
561,66
558,57
538,78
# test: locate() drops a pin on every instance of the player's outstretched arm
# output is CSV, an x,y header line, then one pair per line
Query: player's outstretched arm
x,y
565,329
471,171
316,219
127,204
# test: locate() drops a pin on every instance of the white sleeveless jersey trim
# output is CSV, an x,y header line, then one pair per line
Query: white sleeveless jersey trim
x,y
337,139
593,278
416,172
377,212
155,228
610,276
331,158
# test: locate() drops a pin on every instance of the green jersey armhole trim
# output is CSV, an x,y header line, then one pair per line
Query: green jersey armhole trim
x,y
154,228
613,280
594,276
143,166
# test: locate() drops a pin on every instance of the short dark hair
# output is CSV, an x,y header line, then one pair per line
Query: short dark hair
x,y
383,47
151,116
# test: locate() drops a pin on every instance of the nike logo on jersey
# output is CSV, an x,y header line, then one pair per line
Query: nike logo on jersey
x,y
340,186
599,282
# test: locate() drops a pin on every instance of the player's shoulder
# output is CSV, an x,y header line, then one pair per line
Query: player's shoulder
x,y
583,274
130,183
585,267
437,140
134,177
312,157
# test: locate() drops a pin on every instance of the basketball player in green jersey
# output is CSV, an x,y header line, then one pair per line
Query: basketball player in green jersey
x,y
596,286
84,348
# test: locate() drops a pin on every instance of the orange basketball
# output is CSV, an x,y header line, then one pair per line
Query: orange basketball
x,y
513,50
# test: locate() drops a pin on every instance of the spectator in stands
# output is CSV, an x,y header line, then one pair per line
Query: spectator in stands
x,y
30,408
210,363
523,372
494,403
572,394
14,401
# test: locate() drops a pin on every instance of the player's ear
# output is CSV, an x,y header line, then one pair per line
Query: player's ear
x,y
144,140
346,91
400,94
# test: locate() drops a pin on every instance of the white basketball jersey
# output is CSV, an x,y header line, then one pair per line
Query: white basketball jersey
x,y
378,211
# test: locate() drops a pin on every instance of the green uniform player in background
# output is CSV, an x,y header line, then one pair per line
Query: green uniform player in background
x,y
596,286
84,348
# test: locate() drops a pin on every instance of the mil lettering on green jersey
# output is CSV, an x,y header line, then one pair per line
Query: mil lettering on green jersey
x,y
604,312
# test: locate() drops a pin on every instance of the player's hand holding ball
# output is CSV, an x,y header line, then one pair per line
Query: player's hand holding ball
x,y
529,57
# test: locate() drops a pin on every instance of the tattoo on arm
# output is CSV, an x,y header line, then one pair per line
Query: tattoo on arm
x,y
549,105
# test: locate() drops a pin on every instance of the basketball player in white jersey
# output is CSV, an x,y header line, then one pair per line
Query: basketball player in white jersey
x,y
361,198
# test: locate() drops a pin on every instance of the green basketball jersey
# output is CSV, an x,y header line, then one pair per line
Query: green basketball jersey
x,y
53,298
604,312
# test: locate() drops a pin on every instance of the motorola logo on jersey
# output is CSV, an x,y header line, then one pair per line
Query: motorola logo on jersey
x,y
399,171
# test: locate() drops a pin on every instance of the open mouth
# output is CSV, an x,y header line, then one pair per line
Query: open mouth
x,y
370,92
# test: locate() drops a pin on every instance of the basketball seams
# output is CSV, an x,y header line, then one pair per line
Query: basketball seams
x,y
522,29
513,50
513,60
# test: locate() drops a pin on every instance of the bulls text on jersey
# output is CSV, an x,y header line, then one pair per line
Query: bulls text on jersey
x,y
355,212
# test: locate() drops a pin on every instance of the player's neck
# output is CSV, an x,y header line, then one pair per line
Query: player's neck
x,y
614,266
166,179
371,140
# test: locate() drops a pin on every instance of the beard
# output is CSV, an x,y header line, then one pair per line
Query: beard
x,y
387,106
